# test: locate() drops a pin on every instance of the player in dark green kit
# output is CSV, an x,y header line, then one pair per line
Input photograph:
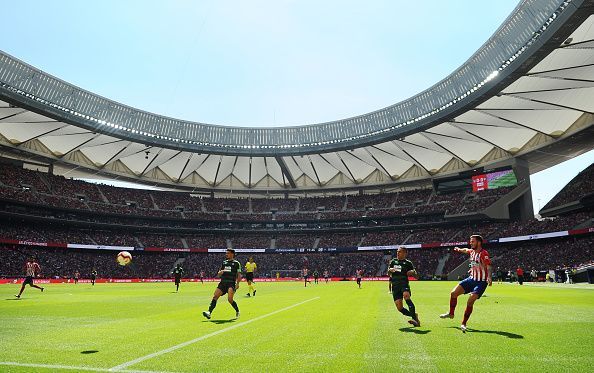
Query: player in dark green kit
x,y
399,269
178,272
93,276
230,274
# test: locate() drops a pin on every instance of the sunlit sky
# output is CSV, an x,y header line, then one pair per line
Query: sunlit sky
x,y
259,63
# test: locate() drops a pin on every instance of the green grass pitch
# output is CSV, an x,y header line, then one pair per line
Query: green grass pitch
x,y
322,328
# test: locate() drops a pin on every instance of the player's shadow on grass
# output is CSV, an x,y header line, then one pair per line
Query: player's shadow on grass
x,y
15,298
86,352
413,330
498,332
220,321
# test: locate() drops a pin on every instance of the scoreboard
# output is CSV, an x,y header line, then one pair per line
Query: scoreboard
x,y
477,180
493,180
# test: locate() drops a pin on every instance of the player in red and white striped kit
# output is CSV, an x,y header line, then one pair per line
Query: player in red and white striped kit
x,y
476,283
32,269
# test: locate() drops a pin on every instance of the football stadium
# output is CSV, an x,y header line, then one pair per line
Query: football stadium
x,y
399,239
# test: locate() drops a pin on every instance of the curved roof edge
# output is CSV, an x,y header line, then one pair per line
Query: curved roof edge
x,y
526,33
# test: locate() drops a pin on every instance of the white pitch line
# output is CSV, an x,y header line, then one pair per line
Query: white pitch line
x,y
177,347
68,367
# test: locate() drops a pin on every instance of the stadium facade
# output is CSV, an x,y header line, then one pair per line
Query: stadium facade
x,y
423,173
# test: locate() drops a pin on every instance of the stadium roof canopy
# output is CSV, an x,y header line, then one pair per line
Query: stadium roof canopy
x,y
529,87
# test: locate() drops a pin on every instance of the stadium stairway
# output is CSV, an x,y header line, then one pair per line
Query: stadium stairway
x,y
179,261
360,243
441,264
91,239
45,181
459,271
407,238
430,198
105,200
155,206
586,224
384,266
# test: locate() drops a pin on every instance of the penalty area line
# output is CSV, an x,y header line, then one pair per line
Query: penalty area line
x,y
184,344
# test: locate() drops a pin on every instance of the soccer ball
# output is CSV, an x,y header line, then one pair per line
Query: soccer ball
x,y
124,258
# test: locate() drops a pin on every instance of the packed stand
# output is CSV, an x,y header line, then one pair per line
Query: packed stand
x,y
19,177
250,242
385,238
340,240
173,200
204,241
105,199
125,196
360,202
286,241
71,188
432,235
260,205
544,255
160,240
578,187
220,204
63,263
333,203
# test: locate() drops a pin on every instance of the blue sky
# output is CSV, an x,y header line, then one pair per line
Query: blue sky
x,y
259,63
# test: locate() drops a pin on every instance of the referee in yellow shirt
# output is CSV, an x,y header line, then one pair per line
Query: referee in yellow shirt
x,y
250,268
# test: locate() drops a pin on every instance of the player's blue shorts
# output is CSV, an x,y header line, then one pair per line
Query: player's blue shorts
x,y
471,285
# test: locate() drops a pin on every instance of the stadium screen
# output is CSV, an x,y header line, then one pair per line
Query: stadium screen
x,y
494,180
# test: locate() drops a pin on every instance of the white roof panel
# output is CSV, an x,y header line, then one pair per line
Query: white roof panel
x,y
394,165
227,164
585,31
305,166
174,166
195,161
578,99
470,152
274,170
60,145
541,83
508,139
324,170
258,170
208,169
241,170
358,168
545,121
447,129
429,159
20,132
559,57
164,156
336,161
